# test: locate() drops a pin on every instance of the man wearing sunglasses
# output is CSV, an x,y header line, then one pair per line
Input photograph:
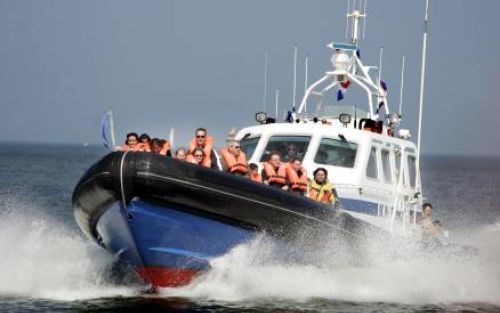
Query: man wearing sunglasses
x,y
206,143
233,159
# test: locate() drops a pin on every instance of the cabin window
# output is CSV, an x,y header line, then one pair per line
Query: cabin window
x,y
386,166
336,152
248,146
412,169
288,147
372,168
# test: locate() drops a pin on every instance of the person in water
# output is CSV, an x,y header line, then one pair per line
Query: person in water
x,y
254,173
132,143
180,154
430,229
274,172
297,177
206,143
320,189
233,159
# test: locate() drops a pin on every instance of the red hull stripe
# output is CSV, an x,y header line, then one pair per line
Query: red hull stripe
x,y
166,277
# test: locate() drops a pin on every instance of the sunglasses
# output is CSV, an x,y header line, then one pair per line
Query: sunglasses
x,y
237,147
200,136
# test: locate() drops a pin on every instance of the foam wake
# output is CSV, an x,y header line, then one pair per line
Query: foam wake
x,y
42,258
251,272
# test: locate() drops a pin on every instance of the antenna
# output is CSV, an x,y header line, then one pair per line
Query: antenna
x,y
306,80
401,87
356,15
264,98
421,102
277,101
364,21
381,55
294,76
347,19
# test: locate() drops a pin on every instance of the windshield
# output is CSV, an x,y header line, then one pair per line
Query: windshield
x,y
336,152
288,147
248,146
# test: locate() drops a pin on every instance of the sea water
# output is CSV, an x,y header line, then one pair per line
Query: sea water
x,y
47,265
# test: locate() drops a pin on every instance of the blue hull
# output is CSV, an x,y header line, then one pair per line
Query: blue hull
x,y
167,247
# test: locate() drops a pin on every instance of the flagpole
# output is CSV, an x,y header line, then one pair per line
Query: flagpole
x,y
421,102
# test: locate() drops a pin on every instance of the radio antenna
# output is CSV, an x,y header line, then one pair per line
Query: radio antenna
x,y
264,97
306,80
294,76
401,87
277,101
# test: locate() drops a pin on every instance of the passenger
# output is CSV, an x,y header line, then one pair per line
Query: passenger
x,y
205,142
156,145
274,172
291,153
180,154
254,173
234,160
145,142
132,143
165,147
297,176
320,189
198,157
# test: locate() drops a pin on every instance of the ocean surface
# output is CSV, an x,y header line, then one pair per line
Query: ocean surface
x,y
48,265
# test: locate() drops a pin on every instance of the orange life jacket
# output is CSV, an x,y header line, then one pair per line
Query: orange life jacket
x,y
256,177
166,147
137,148
234,164
296,182
207,149
274,177
205,162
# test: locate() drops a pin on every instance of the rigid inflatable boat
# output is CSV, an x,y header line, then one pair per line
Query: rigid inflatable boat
x,y
167,218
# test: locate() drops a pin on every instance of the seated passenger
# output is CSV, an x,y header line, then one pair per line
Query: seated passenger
x,y
233,159
291,153
274,172
320,188
145,142
254,173
156,145
180,154
132,143
297,176
198,157
165,147
206,143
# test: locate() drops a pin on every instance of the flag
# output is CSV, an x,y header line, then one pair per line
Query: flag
x,y
383,85
340,95
104,127
345,84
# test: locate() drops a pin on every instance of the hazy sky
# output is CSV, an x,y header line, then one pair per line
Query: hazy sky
x,y
183,64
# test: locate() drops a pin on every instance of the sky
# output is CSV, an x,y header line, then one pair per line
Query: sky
x,y
185,64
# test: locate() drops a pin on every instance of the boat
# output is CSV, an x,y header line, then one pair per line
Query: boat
x,y
167,219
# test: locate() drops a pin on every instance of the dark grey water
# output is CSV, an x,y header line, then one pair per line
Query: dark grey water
x,y
47,265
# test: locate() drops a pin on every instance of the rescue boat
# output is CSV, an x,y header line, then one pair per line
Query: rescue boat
x,y
168,219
